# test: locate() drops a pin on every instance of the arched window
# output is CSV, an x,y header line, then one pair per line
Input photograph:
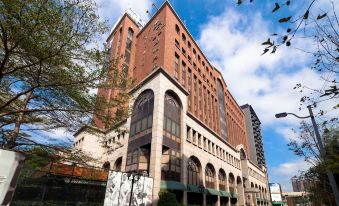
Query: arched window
x,y
129,39
117,164
183,37
106,166
222,180
222,113
177,30
193,171
171,156
209,176
139,143
142,115
172,118
231,182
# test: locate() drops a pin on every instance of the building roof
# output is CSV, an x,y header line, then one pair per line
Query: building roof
x,y
245,106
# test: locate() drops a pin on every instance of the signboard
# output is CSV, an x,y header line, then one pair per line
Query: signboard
x,y
275,188
276,197
119,190
275,192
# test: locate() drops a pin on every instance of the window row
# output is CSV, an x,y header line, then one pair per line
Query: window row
x,y
141,125
204,143
79,141
171,126
114,139
138,160
208,81
255,174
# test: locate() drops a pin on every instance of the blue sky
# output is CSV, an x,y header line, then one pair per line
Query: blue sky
x,y
230,36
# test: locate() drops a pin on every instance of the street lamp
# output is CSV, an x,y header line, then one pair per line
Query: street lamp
x,y
321,148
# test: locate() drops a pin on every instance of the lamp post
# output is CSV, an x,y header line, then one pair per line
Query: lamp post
x,y
321,148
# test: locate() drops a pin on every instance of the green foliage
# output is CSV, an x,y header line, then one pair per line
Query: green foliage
x,y
319,188
36,158
167,198
50,60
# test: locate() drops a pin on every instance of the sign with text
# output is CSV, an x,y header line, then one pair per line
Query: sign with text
x,y
119,190
275,192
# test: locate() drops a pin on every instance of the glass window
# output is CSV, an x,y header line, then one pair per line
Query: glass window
x,y
193,172
176,66
209,177
144,124
168,124
177,30
138,127
183,73
173,127
132,129
150,121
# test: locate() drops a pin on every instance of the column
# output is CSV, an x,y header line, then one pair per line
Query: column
x,y
157,136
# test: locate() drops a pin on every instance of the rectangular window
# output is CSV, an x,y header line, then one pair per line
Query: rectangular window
x,y
149,121
183,51
168,122
138,127
176,66
127,56
177,44
189,78
132,129
129,44
195,103
144,124
173,127
183,75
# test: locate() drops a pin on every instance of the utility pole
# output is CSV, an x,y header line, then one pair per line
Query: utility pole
x,y
322,154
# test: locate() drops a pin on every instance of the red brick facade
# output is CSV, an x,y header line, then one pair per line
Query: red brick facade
x,y
165,41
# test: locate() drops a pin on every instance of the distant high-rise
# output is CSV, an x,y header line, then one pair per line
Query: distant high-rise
x,y
299,184
254,136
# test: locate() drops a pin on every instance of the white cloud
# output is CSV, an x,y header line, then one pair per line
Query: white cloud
x,y
111,10
287,133
289,169
283,173
233,42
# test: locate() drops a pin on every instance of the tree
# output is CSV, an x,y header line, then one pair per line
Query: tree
x,y
50,60
309,22
306,147
167,198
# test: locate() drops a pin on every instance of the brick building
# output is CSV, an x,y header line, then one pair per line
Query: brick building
x,y
186,130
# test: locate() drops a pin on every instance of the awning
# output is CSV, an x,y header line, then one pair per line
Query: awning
x,y
172,185
278,203
234,195
224,193
210,191
194,188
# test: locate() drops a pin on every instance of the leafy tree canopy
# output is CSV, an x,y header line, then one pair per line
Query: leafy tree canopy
x,y
50,61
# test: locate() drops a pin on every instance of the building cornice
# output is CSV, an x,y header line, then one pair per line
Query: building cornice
x,y
155,72
118,22
97,129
